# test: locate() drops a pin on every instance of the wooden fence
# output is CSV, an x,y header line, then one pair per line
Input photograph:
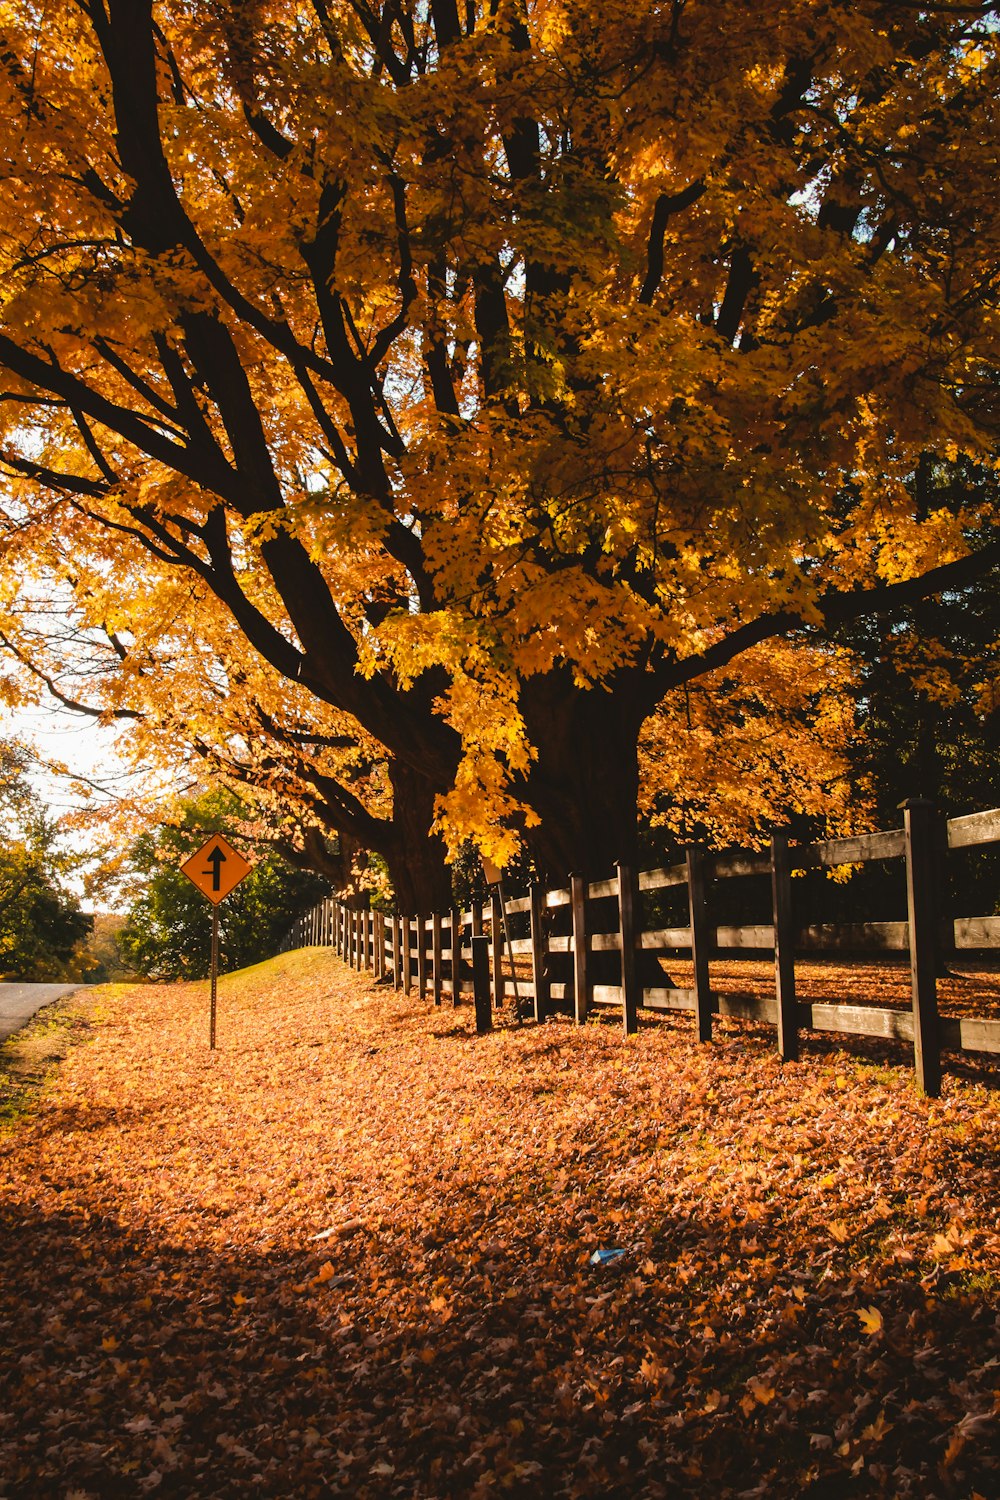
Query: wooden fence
x,y
457,953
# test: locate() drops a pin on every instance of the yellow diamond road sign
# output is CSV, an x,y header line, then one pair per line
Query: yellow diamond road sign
x,y
216,869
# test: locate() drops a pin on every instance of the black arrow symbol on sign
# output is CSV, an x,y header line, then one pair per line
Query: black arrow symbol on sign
x,y
216,859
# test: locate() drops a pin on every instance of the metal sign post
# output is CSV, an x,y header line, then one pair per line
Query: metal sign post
x,y
215,976
216,869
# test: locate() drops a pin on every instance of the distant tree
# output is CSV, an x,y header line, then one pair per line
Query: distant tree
x,y
168,931
100,959
41,923
928,717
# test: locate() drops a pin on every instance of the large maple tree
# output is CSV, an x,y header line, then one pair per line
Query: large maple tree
x,y
499,369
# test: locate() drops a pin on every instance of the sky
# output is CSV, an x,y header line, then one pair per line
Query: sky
x,y
77,741
87,749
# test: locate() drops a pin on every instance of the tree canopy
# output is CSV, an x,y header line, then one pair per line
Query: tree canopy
x,y
471,380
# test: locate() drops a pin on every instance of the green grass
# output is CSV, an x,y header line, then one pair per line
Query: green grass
x,y
30,1057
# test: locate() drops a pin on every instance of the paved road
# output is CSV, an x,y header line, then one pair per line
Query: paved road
x,y
18,1003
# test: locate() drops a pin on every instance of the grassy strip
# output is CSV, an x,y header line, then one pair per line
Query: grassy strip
x,y
30,1057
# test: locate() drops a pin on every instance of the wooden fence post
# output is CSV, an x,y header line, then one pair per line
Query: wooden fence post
x,y
397,957
407,957
369,940
421,956
784,949
539,952
578,904
378,946
628,901
496,926
920,832
481,984
698,912
456,957
436,957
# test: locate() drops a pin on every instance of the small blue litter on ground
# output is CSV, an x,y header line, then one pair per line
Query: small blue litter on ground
x,y
605,1257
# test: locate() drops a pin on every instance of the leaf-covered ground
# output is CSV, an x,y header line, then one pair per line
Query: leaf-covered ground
x,y
350,1254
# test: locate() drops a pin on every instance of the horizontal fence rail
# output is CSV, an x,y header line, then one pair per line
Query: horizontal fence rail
x,y
451,955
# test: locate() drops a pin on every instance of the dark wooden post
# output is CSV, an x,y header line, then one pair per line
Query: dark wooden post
x,y
628,902
407,957
456,956
698,912
436,957
356,923
921,834
784,948
578,904
539,952
496,927
378,946
369,940
481,983
397,957
477,919
421,956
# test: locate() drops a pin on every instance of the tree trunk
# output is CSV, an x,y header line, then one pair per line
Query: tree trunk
x,y
585,787
420,876
336,862
585,783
